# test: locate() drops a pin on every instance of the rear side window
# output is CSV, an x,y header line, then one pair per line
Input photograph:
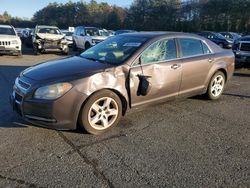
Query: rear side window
x,y
191,47
206,50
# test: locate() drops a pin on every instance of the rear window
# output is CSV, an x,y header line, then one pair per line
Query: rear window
x,y
191,47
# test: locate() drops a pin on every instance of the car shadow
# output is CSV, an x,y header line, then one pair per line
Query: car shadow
x,y
237,95
8,118
242,74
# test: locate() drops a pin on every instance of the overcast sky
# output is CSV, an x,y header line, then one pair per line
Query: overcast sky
x,y
26,8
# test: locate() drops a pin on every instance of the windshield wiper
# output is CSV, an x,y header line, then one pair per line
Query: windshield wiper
x,y
93,59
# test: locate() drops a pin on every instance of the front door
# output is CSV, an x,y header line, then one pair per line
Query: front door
x,y
159,64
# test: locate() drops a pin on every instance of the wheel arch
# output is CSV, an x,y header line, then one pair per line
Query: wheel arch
x,y
118,93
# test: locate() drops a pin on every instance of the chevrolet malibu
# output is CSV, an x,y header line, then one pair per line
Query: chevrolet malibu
x,y
128,71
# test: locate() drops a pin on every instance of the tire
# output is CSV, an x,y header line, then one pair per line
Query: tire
x,y
65,51
74,47
104,109
19,54
36,50
216,86
87,45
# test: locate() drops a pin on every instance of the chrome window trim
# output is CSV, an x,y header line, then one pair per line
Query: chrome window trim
x,y
175,59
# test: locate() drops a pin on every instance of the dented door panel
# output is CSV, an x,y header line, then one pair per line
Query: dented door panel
x,y
164,79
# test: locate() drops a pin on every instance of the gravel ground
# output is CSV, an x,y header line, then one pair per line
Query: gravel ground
x,y
186,143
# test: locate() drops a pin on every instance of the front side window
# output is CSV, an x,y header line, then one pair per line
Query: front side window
x,y
191,47
159,51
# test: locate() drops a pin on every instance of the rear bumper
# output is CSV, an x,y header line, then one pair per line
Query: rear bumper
x,y
61,114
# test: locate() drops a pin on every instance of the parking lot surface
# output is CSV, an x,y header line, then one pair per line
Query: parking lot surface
x,y
186,143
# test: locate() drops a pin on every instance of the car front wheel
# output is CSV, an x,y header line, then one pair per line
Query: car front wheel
x,y
216,86
101,112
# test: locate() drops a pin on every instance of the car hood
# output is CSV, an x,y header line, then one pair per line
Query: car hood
x,y
99,37
61,69
9,37
49,36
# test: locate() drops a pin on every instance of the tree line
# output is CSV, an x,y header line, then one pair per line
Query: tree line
x,y
160,15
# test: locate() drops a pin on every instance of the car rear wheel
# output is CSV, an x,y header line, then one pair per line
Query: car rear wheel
x,y
36,50
216,86
74,46
101,112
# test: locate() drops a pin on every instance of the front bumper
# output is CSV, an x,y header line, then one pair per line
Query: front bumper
x,y
10,50
61,114
51,45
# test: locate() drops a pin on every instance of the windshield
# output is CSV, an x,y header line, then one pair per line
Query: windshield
x,y
104,33
7,31
92,31
219,35
53,31
68,34
115,50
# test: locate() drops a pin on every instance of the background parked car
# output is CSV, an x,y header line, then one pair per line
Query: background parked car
x,y
118,32
241,49
10,43
85,37
247,33
217,38
49,38
27,37
230,35
68,37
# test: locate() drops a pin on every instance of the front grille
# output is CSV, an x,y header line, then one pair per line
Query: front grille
x,y
23,84
5,43
245,47
18,97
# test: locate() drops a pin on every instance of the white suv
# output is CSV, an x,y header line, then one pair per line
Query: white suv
x,y
85,37
10,42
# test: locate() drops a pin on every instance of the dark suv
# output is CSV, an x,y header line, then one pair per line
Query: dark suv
x,y
241,49
217,38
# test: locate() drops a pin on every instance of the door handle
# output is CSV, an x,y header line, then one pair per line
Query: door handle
x,y
175,66
210,60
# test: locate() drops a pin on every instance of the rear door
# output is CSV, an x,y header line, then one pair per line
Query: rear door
x,y
159,64
196,61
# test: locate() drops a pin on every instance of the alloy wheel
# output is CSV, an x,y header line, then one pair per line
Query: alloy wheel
x,y
217,85
103,113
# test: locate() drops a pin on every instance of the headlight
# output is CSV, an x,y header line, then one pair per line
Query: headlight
x,y
52,91
14,42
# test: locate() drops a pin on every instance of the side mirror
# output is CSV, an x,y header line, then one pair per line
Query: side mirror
x,y
144,85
